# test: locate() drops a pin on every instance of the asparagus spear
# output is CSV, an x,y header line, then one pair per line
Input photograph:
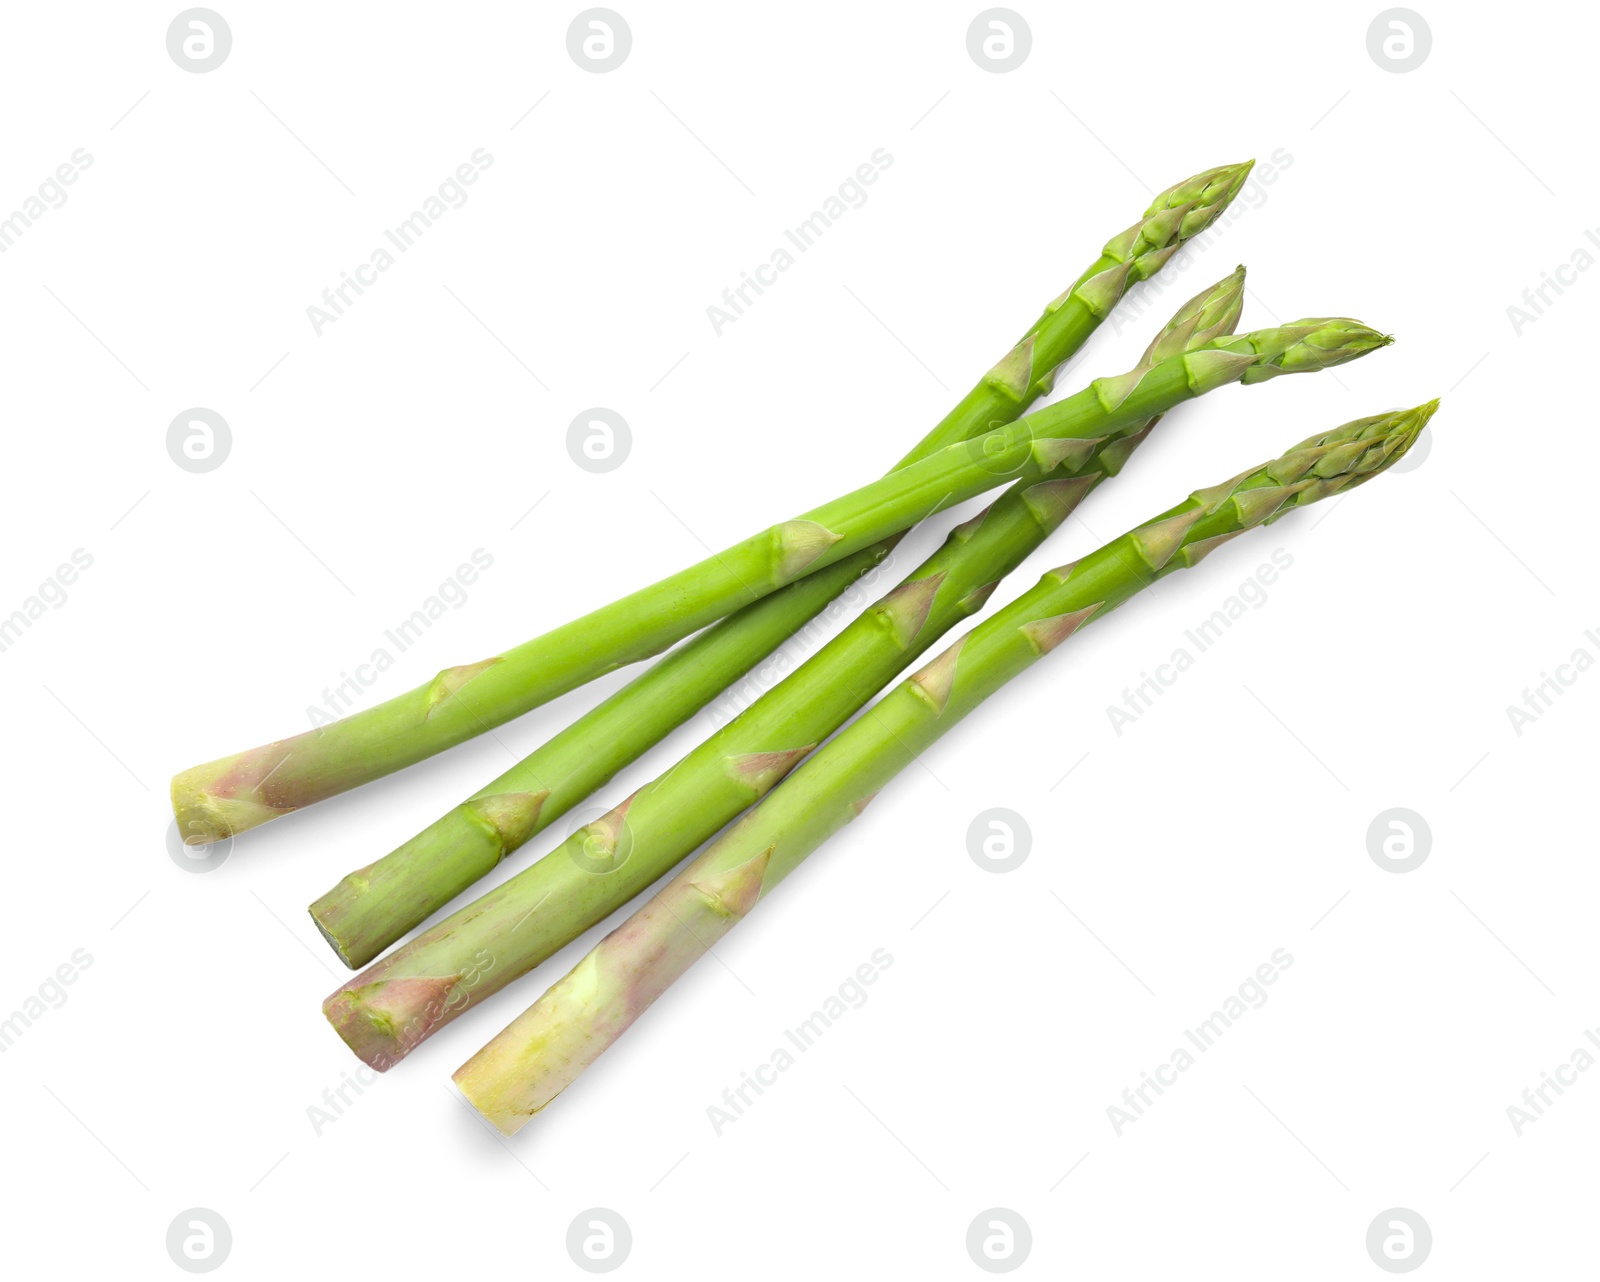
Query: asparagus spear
x,y
393,1006
375,905
544,1049
238,792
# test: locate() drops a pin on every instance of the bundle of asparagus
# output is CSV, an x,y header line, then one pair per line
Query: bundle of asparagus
x,y
744,603
392,1007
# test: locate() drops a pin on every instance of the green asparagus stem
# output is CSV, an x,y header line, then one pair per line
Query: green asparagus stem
x,y
232,794
393,1006
544,1049
374,906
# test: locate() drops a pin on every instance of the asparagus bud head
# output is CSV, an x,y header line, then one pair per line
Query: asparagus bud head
x,y
1328,463
1182,211
1307,346
1209,315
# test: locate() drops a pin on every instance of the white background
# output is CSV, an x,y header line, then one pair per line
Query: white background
x,y
1227,822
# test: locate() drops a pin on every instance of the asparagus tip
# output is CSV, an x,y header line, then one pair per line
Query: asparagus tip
x,y
1411,423
1235,175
